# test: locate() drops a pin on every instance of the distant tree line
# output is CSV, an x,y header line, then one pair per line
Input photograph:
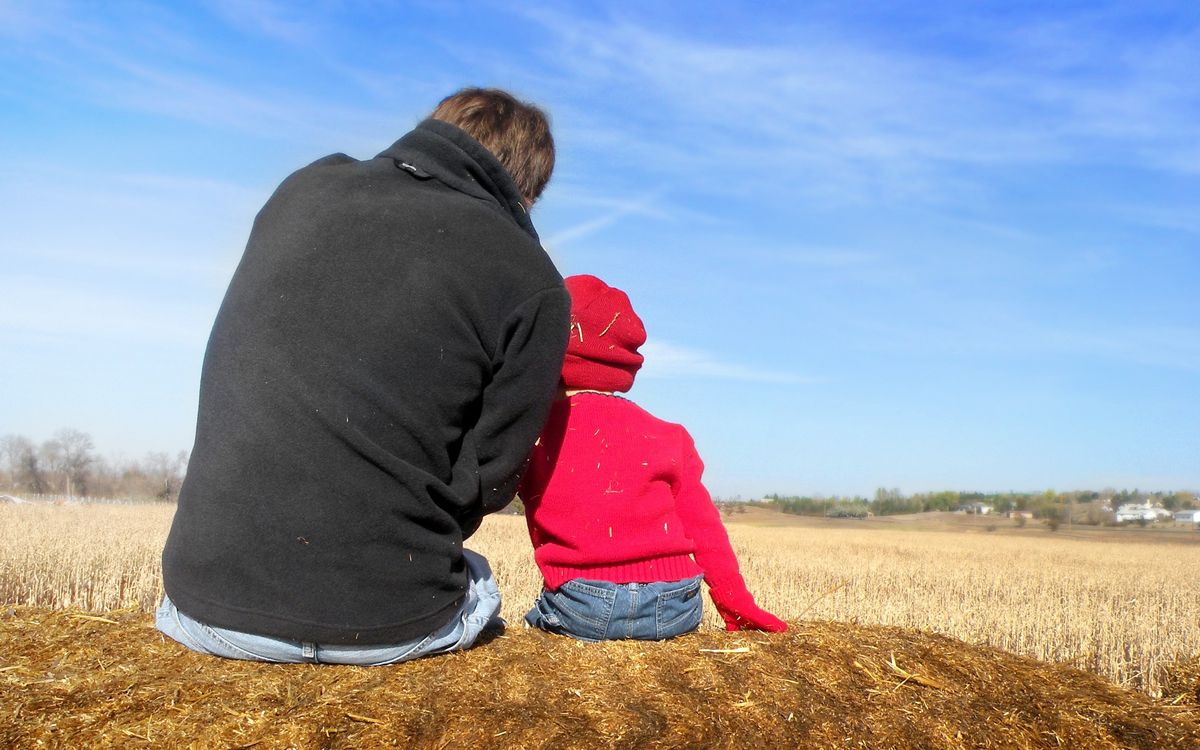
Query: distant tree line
x,y
1054,507
67,464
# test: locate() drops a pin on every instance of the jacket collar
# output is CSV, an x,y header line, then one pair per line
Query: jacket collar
x,y
445,152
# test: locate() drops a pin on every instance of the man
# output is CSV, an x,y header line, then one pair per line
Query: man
x,y
382,362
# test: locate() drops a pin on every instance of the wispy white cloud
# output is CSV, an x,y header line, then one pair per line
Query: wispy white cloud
x,y
129,227
650,204
207,100
1168,346
124,66
666,360
211,272
616,210
840,119
25,18
39,306
1009,334
283,21
1184,217
823,274
150,190
832,258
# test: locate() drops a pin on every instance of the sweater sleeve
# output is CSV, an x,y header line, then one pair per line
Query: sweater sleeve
x,y
702,522
713,552
525,372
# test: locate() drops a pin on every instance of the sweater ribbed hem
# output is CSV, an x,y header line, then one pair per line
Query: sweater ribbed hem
x,y
672,568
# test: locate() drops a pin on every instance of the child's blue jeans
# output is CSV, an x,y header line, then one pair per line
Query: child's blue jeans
x,y
600,611
480,611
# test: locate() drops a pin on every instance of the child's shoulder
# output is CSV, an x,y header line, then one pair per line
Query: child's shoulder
x,y
620,408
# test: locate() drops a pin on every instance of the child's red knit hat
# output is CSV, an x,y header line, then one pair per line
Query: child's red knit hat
x,y
605,335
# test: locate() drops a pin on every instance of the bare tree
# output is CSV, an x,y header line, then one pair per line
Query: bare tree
x,y
50,461
27,470
77,458
166,473
10,455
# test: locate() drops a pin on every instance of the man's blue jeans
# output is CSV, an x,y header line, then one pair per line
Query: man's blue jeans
x,y
480,611
599,610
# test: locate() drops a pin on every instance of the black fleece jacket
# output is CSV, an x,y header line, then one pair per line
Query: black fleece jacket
x,y
383,360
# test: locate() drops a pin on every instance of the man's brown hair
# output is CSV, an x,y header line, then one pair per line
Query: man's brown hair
x,y
516,132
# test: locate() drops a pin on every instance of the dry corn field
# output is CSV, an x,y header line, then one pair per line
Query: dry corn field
x,y
1124,610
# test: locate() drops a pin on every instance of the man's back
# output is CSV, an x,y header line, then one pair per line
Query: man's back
x,y
358,409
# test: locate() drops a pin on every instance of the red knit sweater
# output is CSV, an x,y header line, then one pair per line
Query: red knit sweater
x,y
613,493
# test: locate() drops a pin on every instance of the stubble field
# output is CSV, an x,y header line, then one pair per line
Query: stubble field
x,y
1125,610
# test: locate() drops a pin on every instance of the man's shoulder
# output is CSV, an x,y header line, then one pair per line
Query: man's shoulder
x,y
332,160
316,175
323,166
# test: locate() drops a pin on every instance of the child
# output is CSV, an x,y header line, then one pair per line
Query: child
x,y
613,499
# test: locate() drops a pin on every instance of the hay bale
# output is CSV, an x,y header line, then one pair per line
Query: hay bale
x,y
1181,682
74,680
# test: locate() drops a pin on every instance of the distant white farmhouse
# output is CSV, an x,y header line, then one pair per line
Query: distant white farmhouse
x,y
981,509
1133,512
1187,516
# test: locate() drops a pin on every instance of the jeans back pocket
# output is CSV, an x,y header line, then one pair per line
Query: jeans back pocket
x,y
582,610
679,609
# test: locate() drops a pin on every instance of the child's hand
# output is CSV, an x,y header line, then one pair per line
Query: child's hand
x,y
751,617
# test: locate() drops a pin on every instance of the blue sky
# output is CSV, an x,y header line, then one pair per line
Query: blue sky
x,y
931,245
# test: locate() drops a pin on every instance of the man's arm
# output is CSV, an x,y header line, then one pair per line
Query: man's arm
x,y
526,368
